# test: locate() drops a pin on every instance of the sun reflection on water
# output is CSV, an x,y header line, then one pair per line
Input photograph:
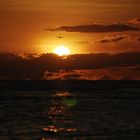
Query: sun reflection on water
x,y
59,114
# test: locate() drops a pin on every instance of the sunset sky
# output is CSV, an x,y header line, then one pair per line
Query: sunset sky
x,y
23,22
83,26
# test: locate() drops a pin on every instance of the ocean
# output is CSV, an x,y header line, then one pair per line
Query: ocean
x,y
69,110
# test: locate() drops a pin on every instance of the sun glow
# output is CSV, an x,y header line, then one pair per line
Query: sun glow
x,y
62,50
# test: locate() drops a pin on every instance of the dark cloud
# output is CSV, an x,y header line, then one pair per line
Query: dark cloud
x,y
13,66
139,39
95,28
134,21
62,75
112,77
115,69
125,78
112,39
136,68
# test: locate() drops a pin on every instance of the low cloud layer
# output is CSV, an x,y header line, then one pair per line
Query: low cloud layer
x,y
13,66
63,75
96,28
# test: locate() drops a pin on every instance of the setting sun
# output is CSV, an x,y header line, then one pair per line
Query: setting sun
x,y
62,50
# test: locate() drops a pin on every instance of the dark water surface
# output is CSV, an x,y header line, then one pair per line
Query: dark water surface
x,y
69,110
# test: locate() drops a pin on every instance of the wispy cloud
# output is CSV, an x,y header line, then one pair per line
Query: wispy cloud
x,y
96,28
104,77
134,21
83,42
112,39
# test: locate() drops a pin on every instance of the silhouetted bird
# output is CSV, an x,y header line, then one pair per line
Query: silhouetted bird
x,y
60,37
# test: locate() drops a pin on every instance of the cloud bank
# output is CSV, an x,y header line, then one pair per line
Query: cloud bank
x,y
13,66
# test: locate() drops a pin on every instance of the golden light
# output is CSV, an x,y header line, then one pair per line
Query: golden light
x,y
62,50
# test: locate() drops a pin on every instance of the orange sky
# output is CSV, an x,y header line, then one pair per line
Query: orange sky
x,y
23,22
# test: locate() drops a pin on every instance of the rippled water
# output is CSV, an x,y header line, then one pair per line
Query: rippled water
x,y
67,114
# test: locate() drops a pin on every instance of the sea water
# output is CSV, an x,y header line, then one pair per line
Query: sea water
x,y
69,110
